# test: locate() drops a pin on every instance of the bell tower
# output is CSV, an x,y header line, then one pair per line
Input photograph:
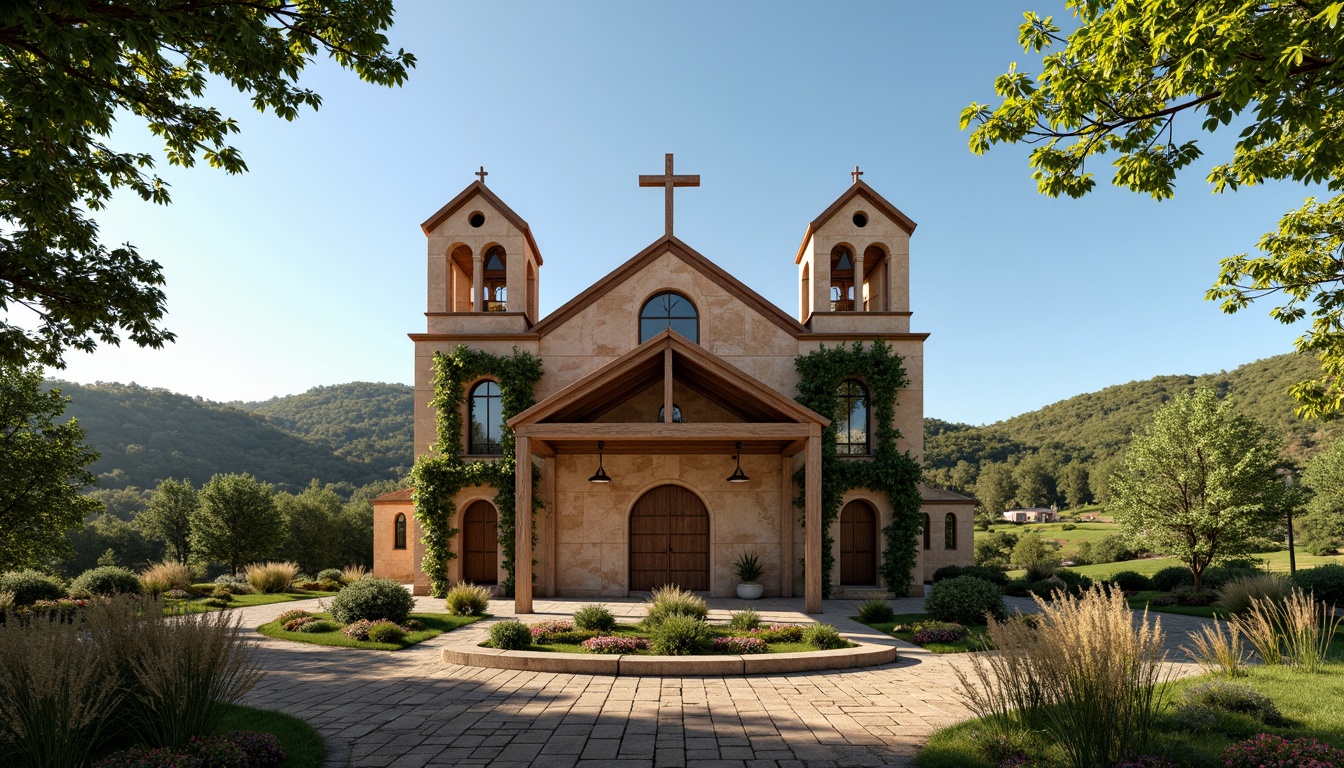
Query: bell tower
x,y
482,260
855,258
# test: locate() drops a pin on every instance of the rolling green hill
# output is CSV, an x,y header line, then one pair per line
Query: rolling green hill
x,y
147,435
1098,425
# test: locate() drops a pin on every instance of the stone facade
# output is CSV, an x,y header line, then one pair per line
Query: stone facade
x,y
734,384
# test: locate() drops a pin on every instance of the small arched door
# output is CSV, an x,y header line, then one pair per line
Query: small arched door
x,y
858,544
669,540
480,543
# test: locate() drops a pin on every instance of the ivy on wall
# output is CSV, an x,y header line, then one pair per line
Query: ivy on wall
x,y
895,473
441,474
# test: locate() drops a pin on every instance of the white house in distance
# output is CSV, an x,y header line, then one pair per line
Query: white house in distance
x,y
1031,515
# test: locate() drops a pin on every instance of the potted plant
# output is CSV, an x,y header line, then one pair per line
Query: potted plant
x,y
749,569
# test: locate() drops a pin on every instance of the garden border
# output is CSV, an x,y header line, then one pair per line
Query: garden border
x,y
864,654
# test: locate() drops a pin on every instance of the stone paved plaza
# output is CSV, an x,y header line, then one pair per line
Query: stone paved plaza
x,y
409,709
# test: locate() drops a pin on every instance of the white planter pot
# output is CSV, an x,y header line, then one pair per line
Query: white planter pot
x,y
750,591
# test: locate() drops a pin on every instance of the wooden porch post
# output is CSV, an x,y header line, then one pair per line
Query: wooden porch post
x,y
812,520
786,526
548,467
522,528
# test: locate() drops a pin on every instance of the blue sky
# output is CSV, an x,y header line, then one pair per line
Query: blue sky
x,y
310,269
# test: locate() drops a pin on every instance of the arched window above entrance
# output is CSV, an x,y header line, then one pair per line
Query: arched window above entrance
x,y
487,419
669,310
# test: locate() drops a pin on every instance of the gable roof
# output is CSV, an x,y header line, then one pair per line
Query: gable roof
x,y
393,496
857,189
478,188
642,366
933,495
670,244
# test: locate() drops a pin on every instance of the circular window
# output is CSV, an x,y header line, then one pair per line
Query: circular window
x,y
476,219
860,219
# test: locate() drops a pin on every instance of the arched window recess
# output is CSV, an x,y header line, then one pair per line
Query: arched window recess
x,y
669,310
950,531
399,532
842,279
851,420
496,280
486,419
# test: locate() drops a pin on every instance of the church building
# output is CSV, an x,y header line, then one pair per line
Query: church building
x,y
665,431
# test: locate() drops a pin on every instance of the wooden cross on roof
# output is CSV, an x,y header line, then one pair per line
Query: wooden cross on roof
x,y
481,174
668,182
856,173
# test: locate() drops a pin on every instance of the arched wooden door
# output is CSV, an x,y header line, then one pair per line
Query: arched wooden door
x,y
669,540
480,544
858,544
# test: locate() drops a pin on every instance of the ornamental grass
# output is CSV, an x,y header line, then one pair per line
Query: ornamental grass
x,y
163,577
65,687
271,578
1236,595
1081,672
352,573
1219,649
1295,631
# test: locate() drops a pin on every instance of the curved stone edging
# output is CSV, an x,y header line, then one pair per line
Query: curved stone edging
x,y
863,655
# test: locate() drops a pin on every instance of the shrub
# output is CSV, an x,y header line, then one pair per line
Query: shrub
x,y
30,586
1033,551
239,749
389,632
1237,594
271,578
352,573
739,645
779,633
876,612
823,637
745,621
1087,675
938,632
595,617
1111,549
329,574
161,577
994,576
357,630
1075,583
572,637
372,599
467,599
1171,577
510,636
1067,527
1199,599
671,601
1238,699
1163,602
291,615
320,625
1040,571
1326,582
1217,651
295,624
1017,588
219,593
1268,749
214,602
182,594
679,635
1131,581
609,644
964,600
105,581
946,572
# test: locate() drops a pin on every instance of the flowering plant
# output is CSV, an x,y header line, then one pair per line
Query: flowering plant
x,y
544,632
1266,750
609,644
238,749
939,632
739,645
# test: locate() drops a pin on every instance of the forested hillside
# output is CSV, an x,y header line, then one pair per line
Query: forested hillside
x,y
148,435
364,421
1090,431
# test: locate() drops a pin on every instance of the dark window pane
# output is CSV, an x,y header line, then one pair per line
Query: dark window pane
x,y
399,537
487,419
669,310
950,532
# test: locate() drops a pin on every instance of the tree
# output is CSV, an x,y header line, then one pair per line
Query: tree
x,y
1035,486
1199,483
106,534
1321,528
169,516
69,70
995,488
236,522
312,524
1073,485
125,503
1031,550
1123,78
43,467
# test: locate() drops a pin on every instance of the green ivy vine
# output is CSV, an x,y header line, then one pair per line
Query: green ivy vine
x,y
441,474
895,473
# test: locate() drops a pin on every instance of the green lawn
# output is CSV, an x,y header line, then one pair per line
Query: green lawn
x,y
1274,561
634,630
1139,601
975,641
302,745
1312,704
1069,539
435,624
243,601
